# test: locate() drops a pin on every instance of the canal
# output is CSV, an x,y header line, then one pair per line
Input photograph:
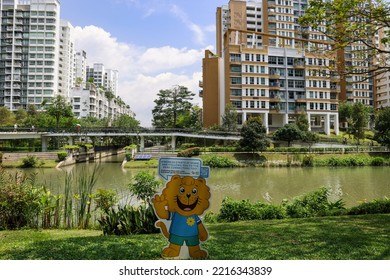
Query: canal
x,y
352,184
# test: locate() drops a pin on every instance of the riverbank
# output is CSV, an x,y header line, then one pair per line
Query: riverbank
x,y
364,237
280,159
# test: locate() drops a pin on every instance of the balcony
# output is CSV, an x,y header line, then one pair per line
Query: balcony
x,y
274,85
201,84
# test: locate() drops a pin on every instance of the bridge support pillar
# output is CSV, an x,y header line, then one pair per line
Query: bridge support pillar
x,y
142,144
70,140
44,144
265,122
173,143
327,124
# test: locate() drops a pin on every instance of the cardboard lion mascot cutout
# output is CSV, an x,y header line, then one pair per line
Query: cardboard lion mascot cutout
x,y
181,202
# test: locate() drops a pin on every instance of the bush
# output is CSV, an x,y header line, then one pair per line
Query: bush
x,y
129,156
218,161
129,220
190,152
19,201
308,161
310,205
232,211
185,146
144,186
30,162
105,199
373,207
62,155
378,161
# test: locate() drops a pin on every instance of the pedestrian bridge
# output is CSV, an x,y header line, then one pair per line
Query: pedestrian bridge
x,y
142,133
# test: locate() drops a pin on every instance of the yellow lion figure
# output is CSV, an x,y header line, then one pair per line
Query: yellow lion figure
x,y
181,202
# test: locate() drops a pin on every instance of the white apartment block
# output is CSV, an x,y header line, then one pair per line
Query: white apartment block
x,y
81,68
29,45
103,77
67,60
92,102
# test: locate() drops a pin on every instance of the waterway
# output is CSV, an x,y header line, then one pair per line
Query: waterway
x,y
352,184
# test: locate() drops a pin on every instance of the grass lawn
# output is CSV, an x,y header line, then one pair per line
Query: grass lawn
x,y
330,238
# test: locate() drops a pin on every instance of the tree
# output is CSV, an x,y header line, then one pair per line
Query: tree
x,y
309,137
191,119
229,119
345,111
253,135
288,132
60,109
171,103
6,116
359,120
302,122
346,22
382,127
126,121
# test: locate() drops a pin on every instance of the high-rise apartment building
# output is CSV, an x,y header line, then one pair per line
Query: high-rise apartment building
x,y
81,68
106,78
29,52
67,60
267,65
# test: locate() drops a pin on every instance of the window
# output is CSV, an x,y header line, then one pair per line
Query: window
x,y
236,104
236,81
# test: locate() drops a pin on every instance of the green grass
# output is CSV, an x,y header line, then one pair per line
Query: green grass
x,y
153,163
19,163
365,237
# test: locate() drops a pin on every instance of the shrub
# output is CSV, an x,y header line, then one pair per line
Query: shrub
x,y
105,199
378,161
19,201
62,155
232,211
129,156
190,152
218,161
185,146
308,161
309,205
373,207
129,220
30,162
144,186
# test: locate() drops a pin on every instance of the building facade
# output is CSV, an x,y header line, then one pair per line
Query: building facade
x,y
67,60
267,65
29,52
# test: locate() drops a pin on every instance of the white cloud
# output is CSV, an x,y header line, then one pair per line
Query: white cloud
x,y
142,71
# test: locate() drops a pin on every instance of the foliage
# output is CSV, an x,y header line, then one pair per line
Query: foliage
x,y
215,161
229,119
190,119
373,207
171,103
130,147
308,161
302,122
85,184
309,137
126,121
144,186
62,155
19,201
382,127
105,199
129,220
6,116
359,120
187,145
59,109
30,162
129,156
309,205
190,152
288,132
253,135
232,211
71,147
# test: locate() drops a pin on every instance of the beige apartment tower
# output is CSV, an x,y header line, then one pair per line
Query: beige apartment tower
x,y
267,65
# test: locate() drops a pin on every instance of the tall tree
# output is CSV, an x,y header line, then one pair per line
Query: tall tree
x,y
229,119
345,22
253,135
382,127
171,103
125,121
302,122
191,119
359,120
59,109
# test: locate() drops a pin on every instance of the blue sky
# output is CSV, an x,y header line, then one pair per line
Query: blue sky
x,y
155,44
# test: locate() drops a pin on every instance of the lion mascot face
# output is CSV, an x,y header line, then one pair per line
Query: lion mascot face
x,y
187,196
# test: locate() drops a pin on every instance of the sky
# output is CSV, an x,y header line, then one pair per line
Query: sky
x,y
154,44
